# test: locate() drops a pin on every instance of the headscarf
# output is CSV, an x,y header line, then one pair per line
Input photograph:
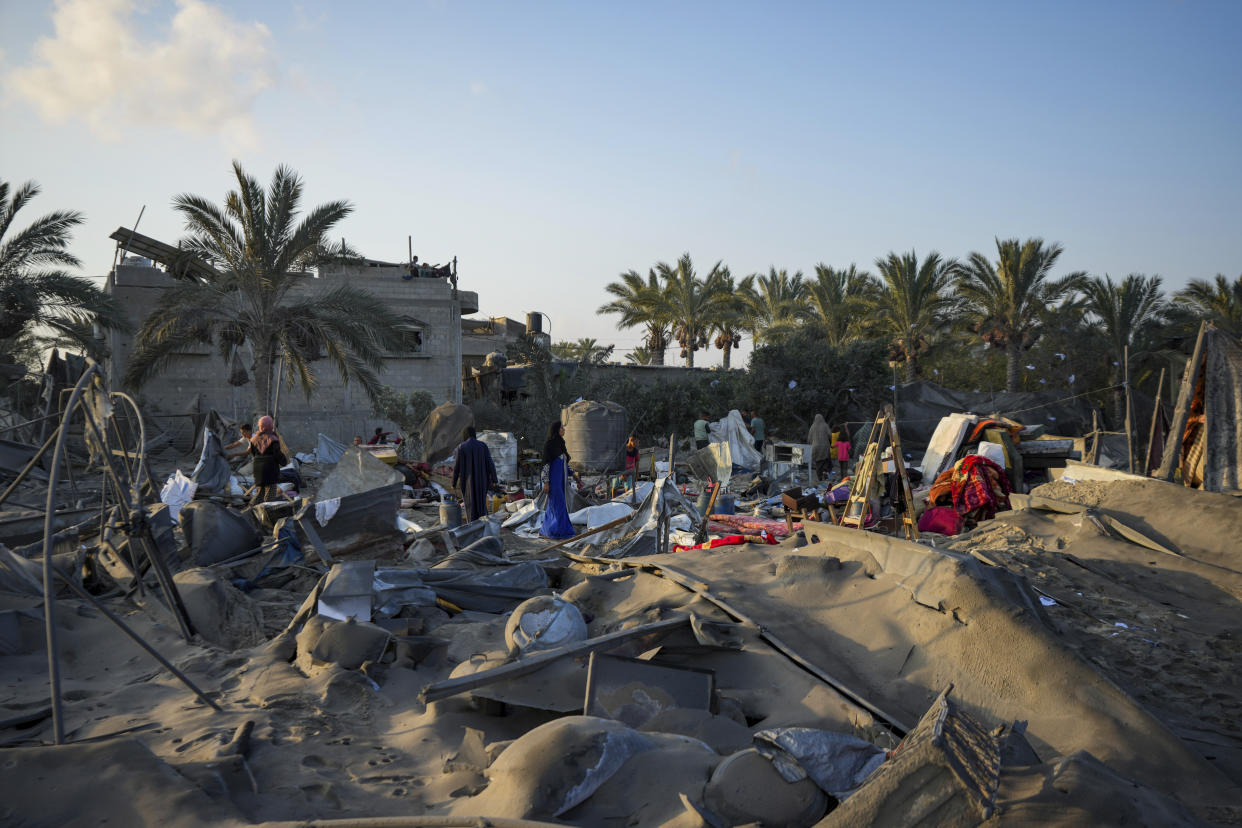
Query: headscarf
x,y
555,445
265,436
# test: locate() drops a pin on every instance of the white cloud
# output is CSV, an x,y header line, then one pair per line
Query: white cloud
x,y
202,75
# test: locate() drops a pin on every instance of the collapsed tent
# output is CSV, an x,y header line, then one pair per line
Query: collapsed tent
x,y
1205,438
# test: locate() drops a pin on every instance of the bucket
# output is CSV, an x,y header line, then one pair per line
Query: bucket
x,y
450,515
724,504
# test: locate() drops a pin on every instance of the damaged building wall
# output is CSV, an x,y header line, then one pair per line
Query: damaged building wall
x,y
197,381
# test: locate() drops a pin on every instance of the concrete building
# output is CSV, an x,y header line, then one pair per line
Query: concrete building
x,y
198,379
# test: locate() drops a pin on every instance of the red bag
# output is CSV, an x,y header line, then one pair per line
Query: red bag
x,y
943,520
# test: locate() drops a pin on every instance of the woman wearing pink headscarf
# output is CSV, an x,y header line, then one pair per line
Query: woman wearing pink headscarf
x,y
268,458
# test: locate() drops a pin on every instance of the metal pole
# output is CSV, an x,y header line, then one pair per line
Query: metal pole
x,y
139,640
21,475
49,592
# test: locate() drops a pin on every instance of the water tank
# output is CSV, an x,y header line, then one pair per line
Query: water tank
x,y
534,323
595,435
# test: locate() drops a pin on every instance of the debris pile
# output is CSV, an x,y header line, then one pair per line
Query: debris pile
x,y
710,649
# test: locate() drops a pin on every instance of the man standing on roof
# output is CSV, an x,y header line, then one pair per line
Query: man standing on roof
x,y
473,473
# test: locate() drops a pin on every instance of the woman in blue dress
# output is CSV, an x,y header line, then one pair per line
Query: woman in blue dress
x,y
556,460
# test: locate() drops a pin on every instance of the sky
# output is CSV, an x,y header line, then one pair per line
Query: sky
x,y
552,146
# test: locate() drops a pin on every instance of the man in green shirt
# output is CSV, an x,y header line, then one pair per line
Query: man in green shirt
x,y
700,431
757,430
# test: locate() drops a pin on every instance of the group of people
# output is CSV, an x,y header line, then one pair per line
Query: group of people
x,y
268,455
474,473
829,444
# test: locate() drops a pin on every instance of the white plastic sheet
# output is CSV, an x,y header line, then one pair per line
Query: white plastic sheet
x,y
732,430
178,491
328,450
504,448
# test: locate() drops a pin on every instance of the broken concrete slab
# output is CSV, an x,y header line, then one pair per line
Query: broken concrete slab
x,y
357,472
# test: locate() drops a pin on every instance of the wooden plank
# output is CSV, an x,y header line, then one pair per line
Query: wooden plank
x,y
609,525
538,660
1045,448
1177,429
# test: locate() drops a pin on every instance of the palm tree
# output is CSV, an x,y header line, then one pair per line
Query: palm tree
x,y
35,290
1220,301
913,303
1123,313
730,316
838,301
259,251
641,303
586,349
1007,301
639,356
779,305
689,302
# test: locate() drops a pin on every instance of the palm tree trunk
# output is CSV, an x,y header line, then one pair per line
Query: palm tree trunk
x,y
656,344
263,381
1013,353
727,352
910,367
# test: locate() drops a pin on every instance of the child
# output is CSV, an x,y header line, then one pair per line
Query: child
x,y
843,451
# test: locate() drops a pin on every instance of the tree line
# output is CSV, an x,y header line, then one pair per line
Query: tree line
x,y
1008,301
930,313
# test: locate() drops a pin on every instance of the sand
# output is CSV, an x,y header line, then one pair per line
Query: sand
x,y
1134,722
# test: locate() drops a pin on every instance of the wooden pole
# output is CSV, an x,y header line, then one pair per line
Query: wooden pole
x,y
1173,443
1151,432
1129,421
1095,437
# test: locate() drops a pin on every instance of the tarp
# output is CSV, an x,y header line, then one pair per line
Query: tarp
x,y
732,430
212,472
921,405
442,431
328,450
504,448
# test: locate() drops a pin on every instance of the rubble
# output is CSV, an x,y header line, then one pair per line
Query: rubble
x,y
310,660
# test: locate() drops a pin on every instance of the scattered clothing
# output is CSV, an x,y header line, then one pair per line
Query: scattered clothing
x,y
728,540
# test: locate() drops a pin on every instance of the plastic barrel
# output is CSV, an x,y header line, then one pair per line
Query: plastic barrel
x,y
450,515
724,504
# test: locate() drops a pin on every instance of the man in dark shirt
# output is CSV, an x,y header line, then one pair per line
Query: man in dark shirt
x,y
473,473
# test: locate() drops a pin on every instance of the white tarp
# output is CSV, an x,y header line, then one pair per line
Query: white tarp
x,y
504,448
732,430
593,516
